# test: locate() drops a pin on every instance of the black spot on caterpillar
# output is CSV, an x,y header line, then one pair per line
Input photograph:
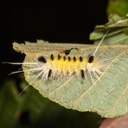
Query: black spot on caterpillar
x,y
42,59
52,57
90,58
49,73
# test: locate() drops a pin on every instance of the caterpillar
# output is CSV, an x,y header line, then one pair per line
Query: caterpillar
x,y
63,64
46,63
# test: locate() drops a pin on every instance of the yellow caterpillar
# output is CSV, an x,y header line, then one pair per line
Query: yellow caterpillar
x,y
60,63
65,66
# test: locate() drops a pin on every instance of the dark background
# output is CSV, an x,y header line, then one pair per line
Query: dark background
x,y
55,21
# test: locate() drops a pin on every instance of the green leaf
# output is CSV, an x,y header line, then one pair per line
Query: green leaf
x,y
9,104
106,94
119,7
118,31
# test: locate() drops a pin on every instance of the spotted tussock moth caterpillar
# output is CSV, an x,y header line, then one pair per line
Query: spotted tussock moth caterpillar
x,y
62,64
66,65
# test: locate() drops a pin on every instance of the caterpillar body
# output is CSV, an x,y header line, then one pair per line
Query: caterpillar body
x,y
60,64
65,66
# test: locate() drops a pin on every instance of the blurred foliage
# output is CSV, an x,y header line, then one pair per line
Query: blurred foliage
x,y
119,7
8,105
118,31
117,24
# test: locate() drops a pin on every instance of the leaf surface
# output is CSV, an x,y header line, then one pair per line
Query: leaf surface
x,y
118,31
107,94
119,7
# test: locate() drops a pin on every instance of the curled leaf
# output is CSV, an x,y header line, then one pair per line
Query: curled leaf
x,y
118,31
